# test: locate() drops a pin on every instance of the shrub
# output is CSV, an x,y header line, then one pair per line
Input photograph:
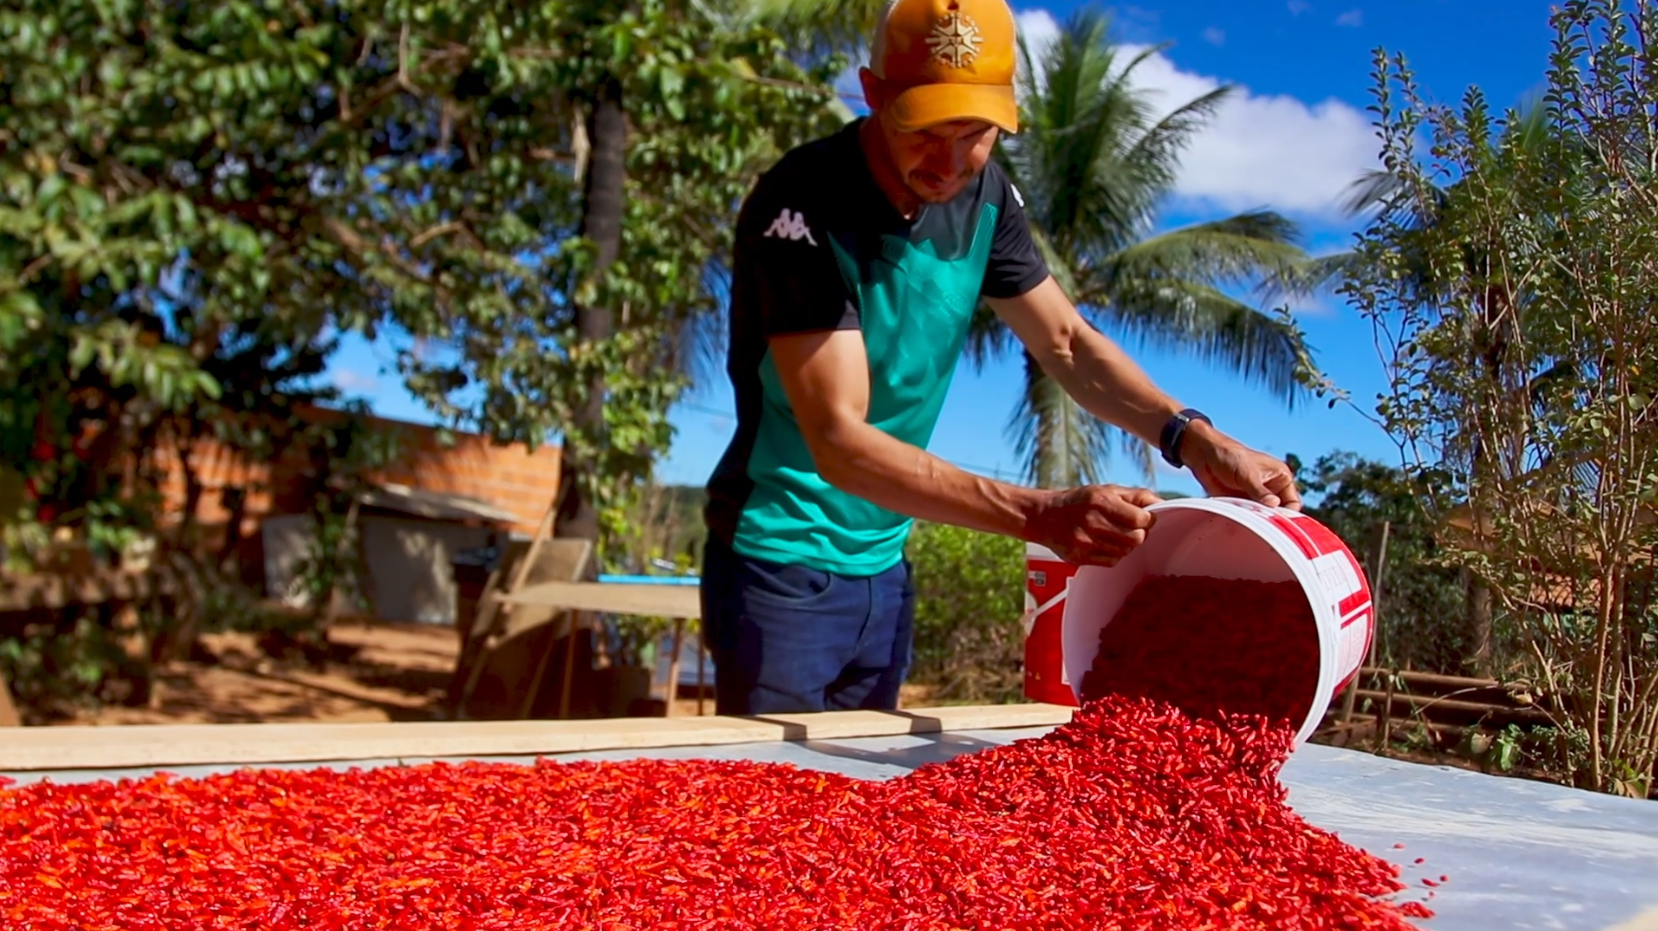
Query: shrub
x,y
969,589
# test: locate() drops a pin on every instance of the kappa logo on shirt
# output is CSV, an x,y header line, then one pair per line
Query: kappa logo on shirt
x,y
790,225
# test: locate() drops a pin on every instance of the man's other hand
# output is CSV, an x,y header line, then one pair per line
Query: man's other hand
x,y
1229,469
1095,525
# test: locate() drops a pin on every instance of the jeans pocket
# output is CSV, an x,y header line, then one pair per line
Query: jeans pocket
x,y
784,585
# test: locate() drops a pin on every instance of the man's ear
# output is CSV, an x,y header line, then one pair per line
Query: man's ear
x,y
874,89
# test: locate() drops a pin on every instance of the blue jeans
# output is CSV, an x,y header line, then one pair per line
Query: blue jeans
x,y
791,638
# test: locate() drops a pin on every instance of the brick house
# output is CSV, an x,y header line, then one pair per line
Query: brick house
x,y
434,502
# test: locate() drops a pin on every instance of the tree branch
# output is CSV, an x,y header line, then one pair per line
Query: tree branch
x,y
442,229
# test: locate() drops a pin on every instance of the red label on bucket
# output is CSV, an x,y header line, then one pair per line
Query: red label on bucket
x,y
1343,582
1046,578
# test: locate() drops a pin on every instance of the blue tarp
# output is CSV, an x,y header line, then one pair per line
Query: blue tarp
x,y
651,579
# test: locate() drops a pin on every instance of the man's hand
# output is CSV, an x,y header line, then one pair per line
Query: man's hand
x,y
1227,468
1094,525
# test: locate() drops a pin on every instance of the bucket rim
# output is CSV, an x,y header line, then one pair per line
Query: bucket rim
x,y
1040,552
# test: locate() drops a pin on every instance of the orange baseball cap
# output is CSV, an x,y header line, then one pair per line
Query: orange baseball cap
x,y
952,59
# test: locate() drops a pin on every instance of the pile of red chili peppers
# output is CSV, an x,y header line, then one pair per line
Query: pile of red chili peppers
x,y
1212,647
1136,815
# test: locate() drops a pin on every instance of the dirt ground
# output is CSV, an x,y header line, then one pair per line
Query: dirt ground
x,y
377,671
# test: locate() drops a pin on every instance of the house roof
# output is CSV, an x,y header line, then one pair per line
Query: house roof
x,y
434,505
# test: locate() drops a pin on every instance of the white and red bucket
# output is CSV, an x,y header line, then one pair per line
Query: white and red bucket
x,y
1067,606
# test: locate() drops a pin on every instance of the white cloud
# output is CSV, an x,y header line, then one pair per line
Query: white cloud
x,y
1260,150
1039,29
1354,18
1214,35
352,381
1297,7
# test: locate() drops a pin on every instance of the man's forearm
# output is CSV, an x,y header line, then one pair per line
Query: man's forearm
x,y
1108,384
864,461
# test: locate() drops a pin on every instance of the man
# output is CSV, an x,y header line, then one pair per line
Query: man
x,y
859,261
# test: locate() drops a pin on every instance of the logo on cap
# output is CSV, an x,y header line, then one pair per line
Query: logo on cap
x,y
955,40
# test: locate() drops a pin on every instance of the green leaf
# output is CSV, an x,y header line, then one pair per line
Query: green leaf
x,y
671,82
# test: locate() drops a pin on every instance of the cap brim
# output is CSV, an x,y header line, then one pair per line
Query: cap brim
x,y
931,104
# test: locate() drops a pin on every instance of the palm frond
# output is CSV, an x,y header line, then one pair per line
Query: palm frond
x,y
1093,156
1162,142
1197,320
1375,191
1080,115
1070,280
1307,278
1095,161
1237,250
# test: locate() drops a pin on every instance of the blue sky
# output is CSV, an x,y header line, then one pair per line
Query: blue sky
x,y
1294,133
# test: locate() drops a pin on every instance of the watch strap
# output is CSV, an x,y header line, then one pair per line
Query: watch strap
x,y
1174,431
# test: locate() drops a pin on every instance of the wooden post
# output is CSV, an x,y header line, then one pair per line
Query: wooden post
x,y
585,567
702,666
673,667
1376,592
8,711
1385,718
569,662
527,704
469,665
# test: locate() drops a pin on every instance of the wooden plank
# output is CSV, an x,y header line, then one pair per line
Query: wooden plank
x,y
1367,724
8,710
682,601
1431,678
1428,702
555,561
170,745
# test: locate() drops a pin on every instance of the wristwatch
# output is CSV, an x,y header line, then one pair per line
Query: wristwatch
x,y
1174,431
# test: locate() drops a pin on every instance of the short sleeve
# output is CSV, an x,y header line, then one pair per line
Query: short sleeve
x,y
784,271
1015,264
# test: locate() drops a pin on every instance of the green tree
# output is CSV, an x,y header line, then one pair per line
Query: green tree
x,y
195,200
312,168
1518,334
657,89
1418,208
1094,164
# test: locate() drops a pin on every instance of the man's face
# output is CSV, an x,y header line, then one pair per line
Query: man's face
x,y
935,163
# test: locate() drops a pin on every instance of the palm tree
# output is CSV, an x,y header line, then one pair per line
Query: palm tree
x,y
1093,164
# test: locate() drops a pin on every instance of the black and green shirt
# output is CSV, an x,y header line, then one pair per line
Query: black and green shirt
x,y
819,247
